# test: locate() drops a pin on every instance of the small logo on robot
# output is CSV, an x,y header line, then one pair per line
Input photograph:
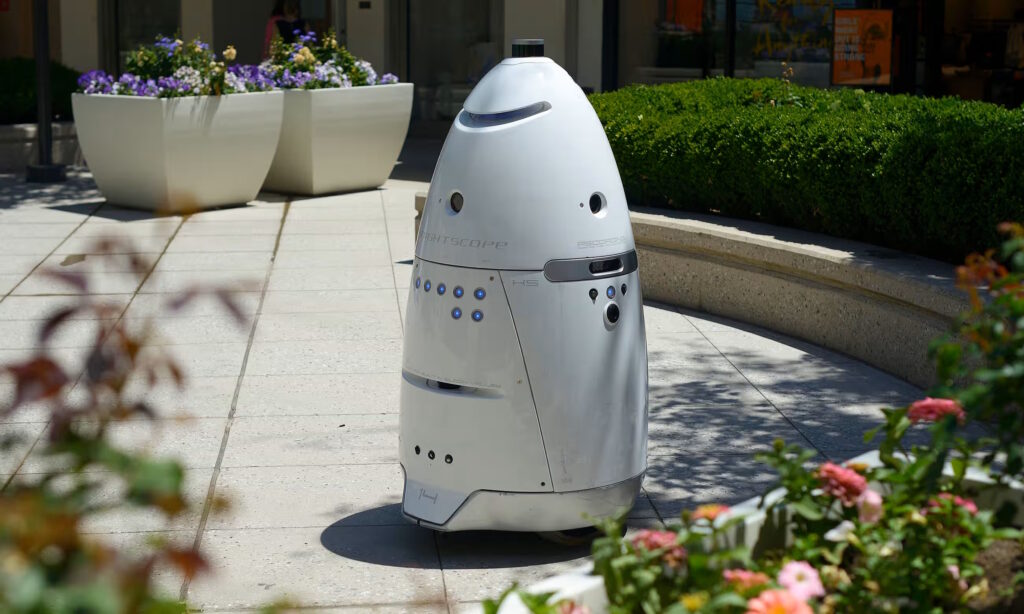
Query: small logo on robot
x,y
424,495
433,237
600,243
526,283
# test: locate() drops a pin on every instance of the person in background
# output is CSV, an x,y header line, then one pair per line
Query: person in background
x,y
284,20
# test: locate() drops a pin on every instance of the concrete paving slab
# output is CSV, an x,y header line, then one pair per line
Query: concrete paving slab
x,y
330,394
297,226
312,440
329,326
206,261
333,258
311,357
198,226
42,307
320,567
307,243
333,278
303,496
160,305
329,301
178,281
223,243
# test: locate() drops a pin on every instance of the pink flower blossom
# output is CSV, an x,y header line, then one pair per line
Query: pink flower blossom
x,y
954,573
647,539
842,483
709,512
801,580
869,506
571,607
777,602
932,410
744,579
957,500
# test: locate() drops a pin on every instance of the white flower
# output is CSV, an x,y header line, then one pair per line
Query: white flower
x,y
840,532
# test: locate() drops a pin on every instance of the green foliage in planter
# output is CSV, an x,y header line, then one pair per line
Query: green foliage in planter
x,y
923,175
18,95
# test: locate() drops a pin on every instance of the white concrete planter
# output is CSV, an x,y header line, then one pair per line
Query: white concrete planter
x,y
340,139
175,153
756,531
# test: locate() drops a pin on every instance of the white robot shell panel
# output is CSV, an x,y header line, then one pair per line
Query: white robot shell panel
x,y
526,184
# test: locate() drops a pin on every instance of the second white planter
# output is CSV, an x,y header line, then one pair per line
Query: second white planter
x,y
340,139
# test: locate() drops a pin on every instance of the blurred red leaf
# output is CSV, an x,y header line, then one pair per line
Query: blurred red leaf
x,y
54,321
188,561
39,378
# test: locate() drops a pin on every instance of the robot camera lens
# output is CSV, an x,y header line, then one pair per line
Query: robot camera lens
x,y
456,313
448,458
596,203
426,285
456,201
430,455
623,288
611,313
458,291
610,291
478,315
479,294
441,288
593,294
417,449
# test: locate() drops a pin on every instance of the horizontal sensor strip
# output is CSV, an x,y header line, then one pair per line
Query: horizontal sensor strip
x,y
487,120
581,269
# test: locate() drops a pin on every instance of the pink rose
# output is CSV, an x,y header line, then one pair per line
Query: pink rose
x,y
931,410
869,506
842,483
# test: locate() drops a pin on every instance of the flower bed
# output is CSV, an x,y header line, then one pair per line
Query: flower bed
x,y
932,527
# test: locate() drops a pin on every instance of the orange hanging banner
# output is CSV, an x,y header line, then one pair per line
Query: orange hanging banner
x,y
862,47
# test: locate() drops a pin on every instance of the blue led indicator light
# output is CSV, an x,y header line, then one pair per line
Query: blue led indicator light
x,y
441,288
426,285
417,283
610,292
479,294
458,291
478,315
456,313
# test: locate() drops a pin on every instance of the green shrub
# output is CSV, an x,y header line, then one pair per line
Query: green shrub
x,y
18,95
930,176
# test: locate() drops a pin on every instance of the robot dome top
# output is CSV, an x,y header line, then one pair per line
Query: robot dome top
x,y
526,176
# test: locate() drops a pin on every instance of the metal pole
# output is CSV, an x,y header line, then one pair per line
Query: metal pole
x,y
45,171
730,38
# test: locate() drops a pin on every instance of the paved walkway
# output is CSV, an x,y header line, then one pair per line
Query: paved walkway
x,y
295,413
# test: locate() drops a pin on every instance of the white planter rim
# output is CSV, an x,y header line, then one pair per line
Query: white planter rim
x,y
126,97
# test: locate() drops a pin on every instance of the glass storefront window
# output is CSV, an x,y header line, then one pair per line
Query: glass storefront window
x,y
141,22
670,40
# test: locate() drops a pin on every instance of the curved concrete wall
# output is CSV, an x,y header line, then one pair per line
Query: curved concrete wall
x,y
878,305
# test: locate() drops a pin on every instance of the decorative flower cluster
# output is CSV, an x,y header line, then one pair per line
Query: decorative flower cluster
x,y
171,68
314,63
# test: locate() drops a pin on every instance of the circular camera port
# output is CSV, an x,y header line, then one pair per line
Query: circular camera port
x,y
455,201
596,203
611,314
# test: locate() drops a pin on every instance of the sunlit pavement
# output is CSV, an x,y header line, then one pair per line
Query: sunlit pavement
x,y
294,415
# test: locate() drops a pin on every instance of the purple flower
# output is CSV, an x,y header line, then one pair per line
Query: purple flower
x,y
388,78
96,82
254,78
367,69
309,38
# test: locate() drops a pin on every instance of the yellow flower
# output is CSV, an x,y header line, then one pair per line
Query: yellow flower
x,y
694,601
230,53
305,56
917,517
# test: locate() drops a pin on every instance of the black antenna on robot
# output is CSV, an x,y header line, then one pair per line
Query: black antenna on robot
x,y
528,48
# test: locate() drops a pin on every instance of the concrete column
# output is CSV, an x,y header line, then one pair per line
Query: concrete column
x,y
367,29
537,19
589,40
197,19
80,34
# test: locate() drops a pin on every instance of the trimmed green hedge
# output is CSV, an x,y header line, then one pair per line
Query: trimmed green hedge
x,y
18,93
929,176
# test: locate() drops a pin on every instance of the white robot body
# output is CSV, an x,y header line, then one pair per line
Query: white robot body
x,y
524,384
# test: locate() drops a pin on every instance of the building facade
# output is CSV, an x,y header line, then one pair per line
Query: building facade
x,y
969,48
